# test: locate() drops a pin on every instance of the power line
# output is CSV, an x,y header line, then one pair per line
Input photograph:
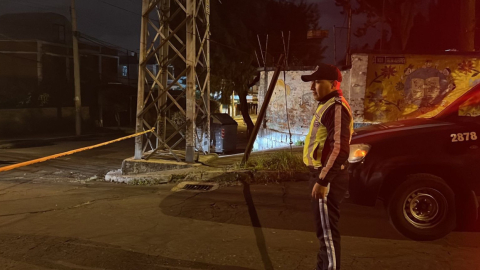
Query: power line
x,y
227,46
136,13
124,9
102,42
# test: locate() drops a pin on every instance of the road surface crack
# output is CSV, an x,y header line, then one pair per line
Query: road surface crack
x,y
284,189
182,203
60,209
300,262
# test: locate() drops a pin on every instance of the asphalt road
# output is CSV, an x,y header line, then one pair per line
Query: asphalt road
x,y
56,215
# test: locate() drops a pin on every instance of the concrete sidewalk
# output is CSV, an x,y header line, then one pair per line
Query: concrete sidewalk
x,y
220,169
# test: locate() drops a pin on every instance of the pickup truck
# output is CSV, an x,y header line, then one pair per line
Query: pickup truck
x,y
425,170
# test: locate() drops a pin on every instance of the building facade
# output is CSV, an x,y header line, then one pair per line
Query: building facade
x,y
36,73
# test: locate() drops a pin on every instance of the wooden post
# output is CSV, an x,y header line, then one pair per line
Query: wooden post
x,y
334,45
191,82
76,72
207,95
467,25
349,37
263,110
141,79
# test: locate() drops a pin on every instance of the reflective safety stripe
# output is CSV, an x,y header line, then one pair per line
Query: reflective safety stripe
x,y
345,103
336,145
320,112
327,234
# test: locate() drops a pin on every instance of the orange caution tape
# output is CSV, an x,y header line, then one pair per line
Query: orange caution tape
x,y
38,160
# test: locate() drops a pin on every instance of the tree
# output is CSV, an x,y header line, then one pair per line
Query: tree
x,y
399,15
235,26
467,22
420,26
437,32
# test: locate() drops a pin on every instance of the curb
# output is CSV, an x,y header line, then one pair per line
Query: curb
x,y
222,177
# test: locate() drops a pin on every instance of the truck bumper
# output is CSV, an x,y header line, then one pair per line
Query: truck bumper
x,y
364,190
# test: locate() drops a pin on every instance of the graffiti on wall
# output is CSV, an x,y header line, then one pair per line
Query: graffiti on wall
x,y
291,106
410,86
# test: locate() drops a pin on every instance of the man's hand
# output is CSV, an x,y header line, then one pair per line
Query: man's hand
x,y
319,191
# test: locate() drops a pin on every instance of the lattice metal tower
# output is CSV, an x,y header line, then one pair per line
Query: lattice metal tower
x,y
174,33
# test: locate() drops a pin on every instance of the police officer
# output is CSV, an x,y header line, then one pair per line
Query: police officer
x,y
326,151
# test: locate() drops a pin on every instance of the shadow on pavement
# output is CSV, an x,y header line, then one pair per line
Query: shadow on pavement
x,y
72,253
7,162
284,206
257,227
26,144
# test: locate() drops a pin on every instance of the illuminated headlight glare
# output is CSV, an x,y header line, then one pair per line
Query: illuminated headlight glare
x,y
358,152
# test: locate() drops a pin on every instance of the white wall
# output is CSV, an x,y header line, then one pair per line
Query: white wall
x,y
291,100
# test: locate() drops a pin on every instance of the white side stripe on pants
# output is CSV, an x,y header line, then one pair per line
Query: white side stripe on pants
x,y
327,234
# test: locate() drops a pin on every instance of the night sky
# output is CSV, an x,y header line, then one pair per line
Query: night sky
x,y
120,25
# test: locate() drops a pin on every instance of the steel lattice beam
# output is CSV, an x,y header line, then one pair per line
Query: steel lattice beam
x,y
174,32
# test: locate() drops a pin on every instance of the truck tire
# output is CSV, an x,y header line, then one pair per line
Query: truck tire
x,y
422,208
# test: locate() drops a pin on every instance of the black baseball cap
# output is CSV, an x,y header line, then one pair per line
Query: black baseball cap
x,y
324,72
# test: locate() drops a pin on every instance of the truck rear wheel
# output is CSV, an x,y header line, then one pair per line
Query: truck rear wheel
x,y
422,208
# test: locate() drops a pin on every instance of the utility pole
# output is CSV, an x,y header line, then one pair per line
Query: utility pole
x,y
349,37
141,79
234,110
264,59
467,25
76,72
334,45
383,23
207,96
190,89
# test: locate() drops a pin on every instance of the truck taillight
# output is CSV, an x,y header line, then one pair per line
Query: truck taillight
x,y
223,133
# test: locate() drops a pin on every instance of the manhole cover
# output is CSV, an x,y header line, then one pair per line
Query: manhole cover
x,y
195,186
198,187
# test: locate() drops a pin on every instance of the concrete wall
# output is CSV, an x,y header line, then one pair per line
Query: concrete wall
x,y
18,66
357,85
379,88
405,86
292,100
21,122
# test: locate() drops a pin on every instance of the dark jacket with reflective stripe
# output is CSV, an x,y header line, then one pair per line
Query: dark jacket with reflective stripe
x,y
330,154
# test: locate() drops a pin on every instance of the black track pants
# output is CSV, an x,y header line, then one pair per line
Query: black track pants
x,y
327,214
